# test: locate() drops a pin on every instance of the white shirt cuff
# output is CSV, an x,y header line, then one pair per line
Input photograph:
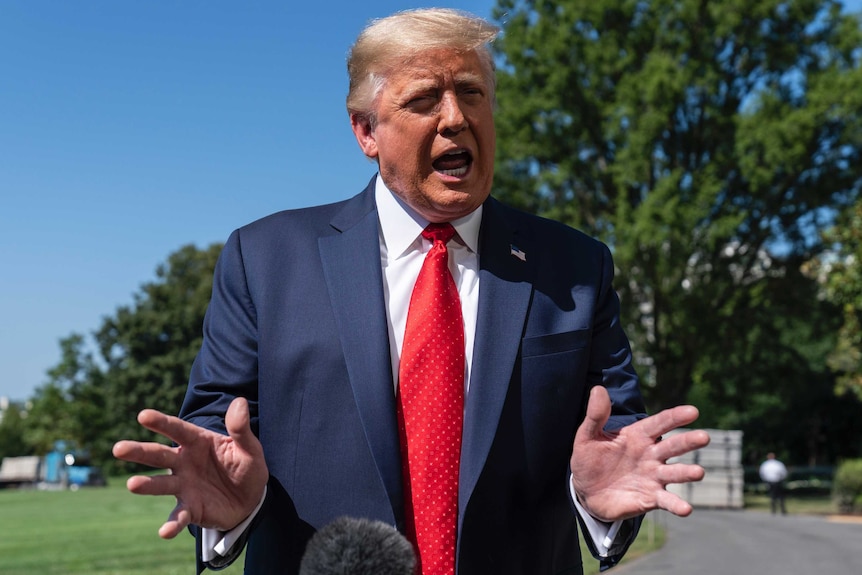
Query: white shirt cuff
x,y
216,543
602,534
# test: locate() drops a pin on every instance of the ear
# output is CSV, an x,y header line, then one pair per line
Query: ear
x,y
364,134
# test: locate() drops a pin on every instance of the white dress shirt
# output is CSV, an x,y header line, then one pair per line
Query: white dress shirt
x,y
773,471
402,253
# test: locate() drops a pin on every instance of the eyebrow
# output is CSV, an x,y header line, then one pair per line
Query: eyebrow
x,y
470,78
466,79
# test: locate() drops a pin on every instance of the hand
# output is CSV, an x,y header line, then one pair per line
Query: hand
x,y
623,474
217,480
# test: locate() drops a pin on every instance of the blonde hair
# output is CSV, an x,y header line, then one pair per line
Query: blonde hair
x,y
386,42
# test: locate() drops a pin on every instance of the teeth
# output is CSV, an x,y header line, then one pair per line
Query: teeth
x,y
457,173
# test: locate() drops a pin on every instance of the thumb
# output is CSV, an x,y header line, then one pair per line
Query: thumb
x,y
238,424
598,413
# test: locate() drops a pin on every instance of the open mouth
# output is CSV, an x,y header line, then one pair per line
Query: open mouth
x,y
455,163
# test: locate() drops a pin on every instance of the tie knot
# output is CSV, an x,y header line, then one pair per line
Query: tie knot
x,y
442,232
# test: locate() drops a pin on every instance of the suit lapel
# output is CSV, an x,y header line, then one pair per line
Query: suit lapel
x,y
505,287
351,264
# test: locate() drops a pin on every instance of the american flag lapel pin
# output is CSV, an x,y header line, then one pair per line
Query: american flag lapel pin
x,y
517,252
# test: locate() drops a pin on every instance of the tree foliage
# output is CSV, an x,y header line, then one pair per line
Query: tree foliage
x,y
141,358
707,141
12,428
840,273
847,488
782,396
149,347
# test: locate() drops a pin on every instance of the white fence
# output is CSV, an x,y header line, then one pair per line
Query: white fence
x,y
722,460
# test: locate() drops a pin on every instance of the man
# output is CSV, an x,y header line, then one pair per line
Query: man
x,y
305,349
773,473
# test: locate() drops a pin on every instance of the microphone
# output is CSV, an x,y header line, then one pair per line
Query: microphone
x,y
350,546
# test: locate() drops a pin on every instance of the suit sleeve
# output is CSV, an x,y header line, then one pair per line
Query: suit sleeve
x,y
611,365
226,365
611,361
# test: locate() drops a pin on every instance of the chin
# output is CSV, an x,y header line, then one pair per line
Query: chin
x,y
455,207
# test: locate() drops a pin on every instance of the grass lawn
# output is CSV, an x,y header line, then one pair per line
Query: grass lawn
x,y
108,531
91,531
808,505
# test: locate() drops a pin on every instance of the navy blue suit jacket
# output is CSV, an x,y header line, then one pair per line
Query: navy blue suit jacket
x,y
297,324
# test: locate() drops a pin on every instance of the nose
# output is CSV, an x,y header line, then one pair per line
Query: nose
x,y
452,119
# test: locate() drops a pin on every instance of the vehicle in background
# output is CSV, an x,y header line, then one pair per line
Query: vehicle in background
x,y
66,466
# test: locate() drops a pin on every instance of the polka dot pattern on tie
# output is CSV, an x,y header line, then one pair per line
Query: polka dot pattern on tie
x,y
431,406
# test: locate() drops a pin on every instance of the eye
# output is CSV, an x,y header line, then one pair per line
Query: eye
x,y
422,102
472,92
418,100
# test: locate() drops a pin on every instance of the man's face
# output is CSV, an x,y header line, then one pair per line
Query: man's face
x,y
434,137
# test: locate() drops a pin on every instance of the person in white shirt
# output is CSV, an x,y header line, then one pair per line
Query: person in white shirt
x,y
773,473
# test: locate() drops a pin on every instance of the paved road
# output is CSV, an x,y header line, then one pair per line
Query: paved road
x,y
710,542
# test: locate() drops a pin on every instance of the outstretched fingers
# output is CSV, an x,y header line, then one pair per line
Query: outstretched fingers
x,y
177,521
673,504
146,453
667,420
679,473
216,480
682,443
154,484
179,431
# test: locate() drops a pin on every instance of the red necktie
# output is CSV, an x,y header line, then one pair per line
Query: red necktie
x,y
431,407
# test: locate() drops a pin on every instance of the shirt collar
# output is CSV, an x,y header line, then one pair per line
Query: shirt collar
x,y
400,225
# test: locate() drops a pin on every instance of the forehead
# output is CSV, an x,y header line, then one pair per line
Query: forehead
x,y
437,66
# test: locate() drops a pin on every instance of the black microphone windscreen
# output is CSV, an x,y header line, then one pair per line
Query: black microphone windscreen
x,y
350,546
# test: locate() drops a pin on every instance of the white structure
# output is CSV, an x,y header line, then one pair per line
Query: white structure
x,y
722,460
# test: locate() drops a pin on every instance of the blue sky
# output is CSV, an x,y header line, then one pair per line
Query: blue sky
x,y
131,128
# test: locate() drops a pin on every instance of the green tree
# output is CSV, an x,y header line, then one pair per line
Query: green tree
x,y
149,347
840,273
12,427
707,141
70,405
141,358
784,400
49,419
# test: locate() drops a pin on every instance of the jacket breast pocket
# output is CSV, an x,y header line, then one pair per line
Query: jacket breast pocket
x,y
555,364
555,343
552,387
